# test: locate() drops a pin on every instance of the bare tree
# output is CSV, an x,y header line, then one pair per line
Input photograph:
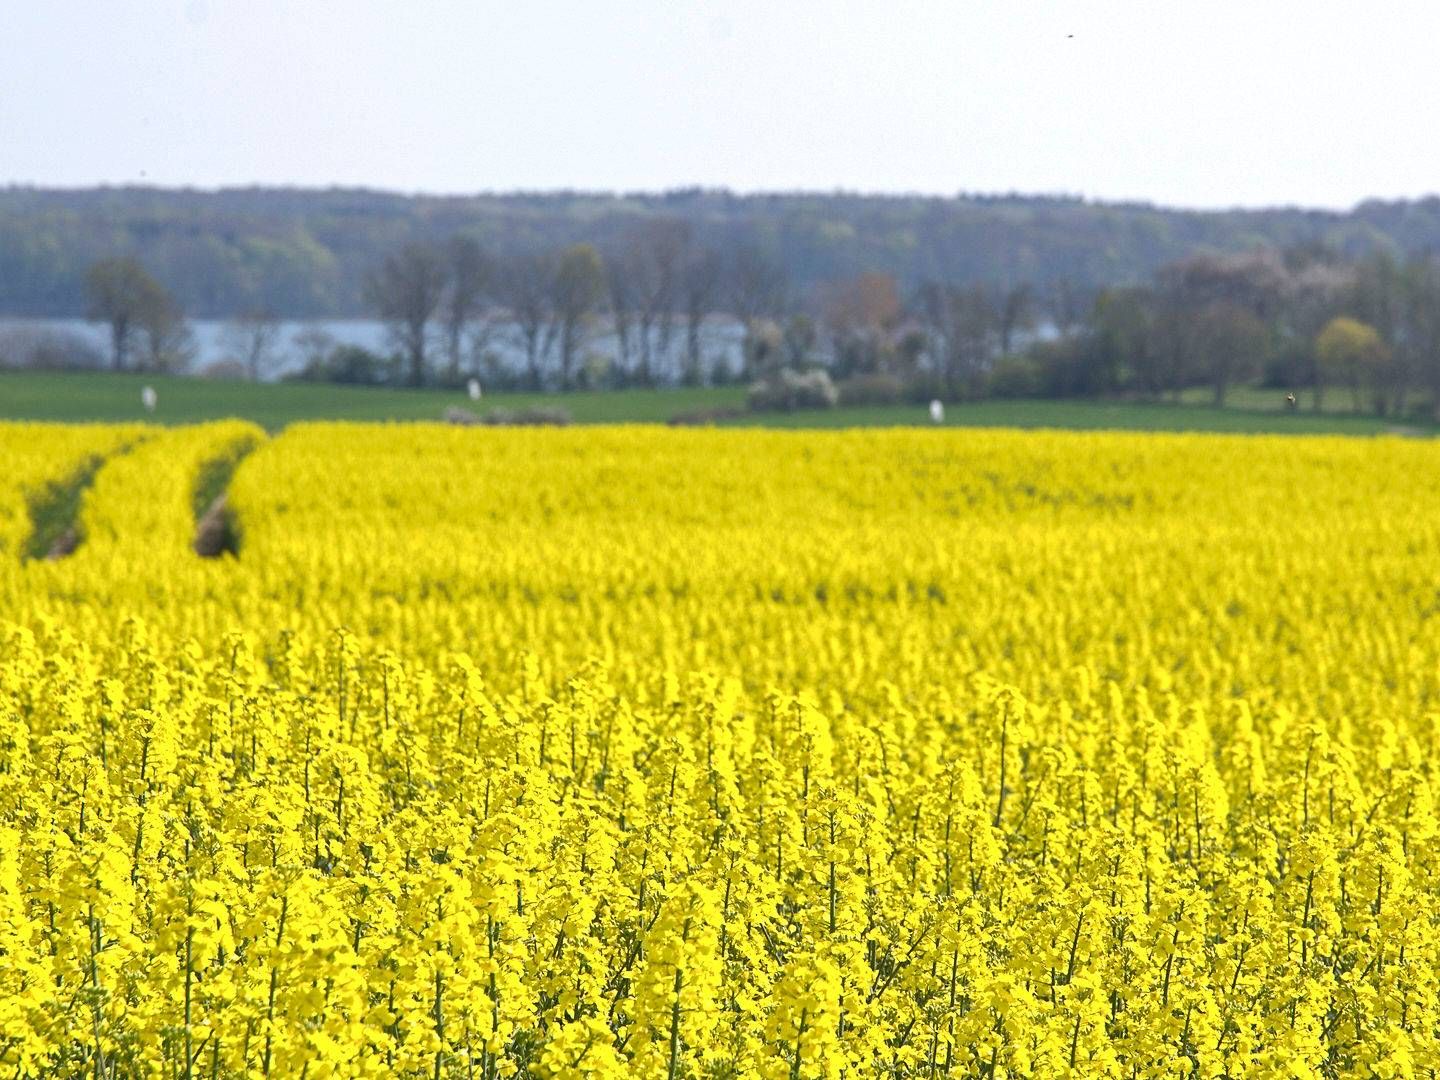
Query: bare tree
x,y
1423,309
470,278
759,291
164,334
406,290
576,290
1319,284
1256,281
960,324
798,337
314,343
759,287
700,281
1015,313
1068,304
524,285
858,315
655,261
253,337
620,287
120,291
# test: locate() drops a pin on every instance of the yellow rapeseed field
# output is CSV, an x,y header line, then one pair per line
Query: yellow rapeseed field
x,y
642,753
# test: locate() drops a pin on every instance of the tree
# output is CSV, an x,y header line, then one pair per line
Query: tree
x,y
405,291
1203,298
1176,344
1378,299
1123,341
654,262
759,292
960,327
253,337
165,336
525,285
620,286
1319,284
470,272
577,289
700,283
1256,281
798,339
1423,320
764,348
1349,352
120,292
314,343
1015,312
858,314
1232,342
1068,303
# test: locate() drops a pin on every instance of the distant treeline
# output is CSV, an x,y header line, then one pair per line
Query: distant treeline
x,y
308,253
1303,319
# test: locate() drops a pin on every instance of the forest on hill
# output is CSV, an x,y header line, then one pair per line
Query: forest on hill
x,y
307,253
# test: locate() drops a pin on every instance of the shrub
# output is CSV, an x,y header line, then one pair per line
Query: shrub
x,y
223,369
47,348
786,391
1069,367
530,416
880,388
704,416
453,414
533,415
349,364
1014,377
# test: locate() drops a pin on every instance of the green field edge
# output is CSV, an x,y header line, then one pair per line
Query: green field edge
x,y
115,398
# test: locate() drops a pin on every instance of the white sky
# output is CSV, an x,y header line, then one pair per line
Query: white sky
x,y
1230,102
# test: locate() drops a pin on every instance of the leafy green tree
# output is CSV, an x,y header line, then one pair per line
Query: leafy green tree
x,y
1349,353
1124,346
1232,345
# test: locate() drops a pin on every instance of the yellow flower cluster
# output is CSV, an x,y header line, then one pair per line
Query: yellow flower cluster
x,y
631,752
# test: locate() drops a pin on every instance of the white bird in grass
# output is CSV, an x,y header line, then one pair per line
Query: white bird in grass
x,y
937,411
473,388
148,398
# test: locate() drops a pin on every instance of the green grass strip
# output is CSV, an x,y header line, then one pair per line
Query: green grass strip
x,y
55,512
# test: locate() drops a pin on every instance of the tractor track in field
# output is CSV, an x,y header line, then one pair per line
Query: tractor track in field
x,y
54,509
217,531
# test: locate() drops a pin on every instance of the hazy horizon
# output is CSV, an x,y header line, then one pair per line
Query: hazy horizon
x,y
595,192
1200,107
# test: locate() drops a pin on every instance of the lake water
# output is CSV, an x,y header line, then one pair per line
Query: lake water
x,y
215,341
